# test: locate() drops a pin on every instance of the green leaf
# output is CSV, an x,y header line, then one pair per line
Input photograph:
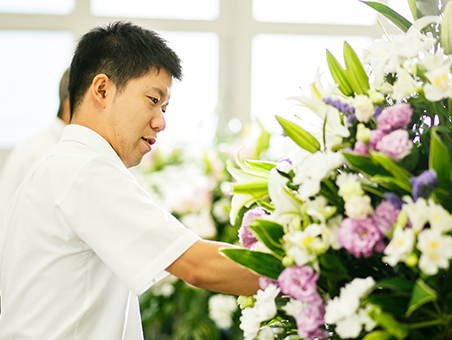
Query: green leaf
x,y
391,303
421,295
397,171
443,197
299,135
396,284
259,263
357,76
439,159
402,23
364,164
378,335
389,323
392,184
261,164
270,234
332,266
339,75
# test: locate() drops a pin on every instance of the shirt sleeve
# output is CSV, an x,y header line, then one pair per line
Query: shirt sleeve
x,y
109,211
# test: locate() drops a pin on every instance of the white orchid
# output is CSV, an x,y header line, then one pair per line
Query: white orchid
x,y
400,247
304,246
417,212
436,251
439,218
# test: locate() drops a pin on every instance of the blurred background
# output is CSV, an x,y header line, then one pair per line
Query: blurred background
x,y
242,58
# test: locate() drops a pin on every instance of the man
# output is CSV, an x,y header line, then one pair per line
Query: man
x,y
81,239
29,152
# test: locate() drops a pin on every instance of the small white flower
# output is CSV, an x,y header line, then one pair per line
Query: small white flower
x,y
436,251
418,213
249,324
293,307
221,309
265,305
404,85
364,108
303,245
358,207
345,311
349,185
318,208
439,218
400,247
331,231
266,333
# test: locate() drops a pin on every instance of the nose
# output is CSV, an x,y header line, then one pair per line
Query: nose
x,y
158,123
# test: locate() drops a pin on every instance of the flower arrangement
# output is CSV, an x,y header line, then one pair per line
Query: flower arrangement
x,y
352,232
191,186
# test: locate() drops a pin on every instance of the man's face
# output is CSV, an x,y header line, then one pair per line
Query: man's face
x,y
137,115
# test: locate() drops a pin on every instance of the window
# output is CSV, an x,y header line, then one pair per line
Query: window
x,y
59,7
31,65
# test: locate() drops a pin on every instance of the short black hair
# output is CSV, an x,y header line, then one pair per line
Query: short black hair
x,y
122,51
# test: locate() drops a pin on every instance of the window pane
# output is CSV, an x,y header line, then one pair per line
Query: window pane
x,y
168,9
31,65
347,12
37,7
285,65
190,116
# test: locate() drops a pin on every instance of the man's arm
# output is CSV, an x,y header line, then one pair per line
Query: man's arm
x,y
202,266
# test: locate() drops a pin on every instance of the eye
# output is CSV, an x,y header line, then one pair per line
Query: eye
x,y
154,100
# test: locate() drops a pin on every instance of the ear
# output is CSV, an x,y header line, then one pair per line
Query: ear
x,y
101,89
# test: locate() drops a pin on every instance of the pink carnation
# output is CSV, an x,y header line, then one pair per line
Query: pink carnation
x,y
359,237
394,117
360,148
385,215
395,145
375,137
246,238
309,322
300,282
264,282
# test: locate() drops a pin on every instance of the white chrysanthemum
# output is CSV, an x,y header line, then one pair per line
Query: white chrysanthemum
x,y
439,218
418,213
293,307
400,247
358,207
436,251
221,310
345,312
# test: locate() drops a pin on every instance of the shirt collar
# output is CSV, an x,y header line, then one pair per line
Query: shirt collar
x,y
90,138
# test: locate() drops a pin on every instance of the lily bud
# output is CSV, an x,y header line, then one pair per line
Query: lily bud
x,y
357,77
446,29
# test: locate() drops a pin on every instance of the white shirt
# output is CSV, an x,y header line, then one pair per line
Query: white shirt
x,y
23,157
80,241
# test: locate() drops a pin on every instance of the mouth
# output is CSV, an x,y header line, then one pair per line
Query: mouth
x,y
149,141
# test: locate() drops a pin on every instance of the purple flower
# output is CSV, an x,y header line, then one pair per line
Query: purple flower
x,y
264,282
359,237
396,145
360,148
395,117
309,322
424,184
385,215
378,111
395,200
375,137
300,282
246,238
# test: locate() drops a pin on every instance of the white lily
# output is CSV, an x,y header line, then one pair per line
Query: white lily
x,y
440,85
436,251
